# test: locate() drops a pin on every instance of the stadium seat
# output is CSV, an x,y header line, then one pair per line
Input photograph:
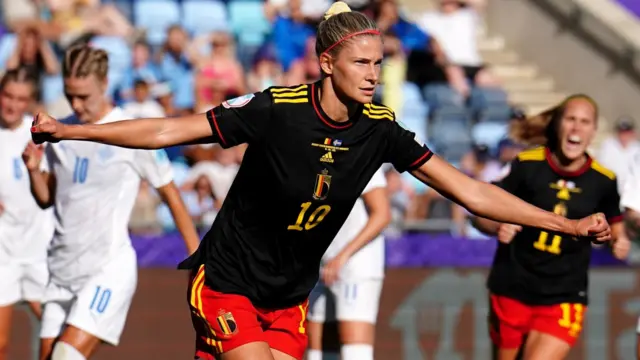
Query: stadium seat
x,y
7,44
204,16
124,6
119,59
438,96
413,103
248,22
489,133
489,105
52,88
156,16
449,133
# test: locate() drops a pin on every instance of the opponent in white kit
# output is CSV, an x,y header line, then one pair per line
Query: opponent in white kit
x,y
25,229
93,188
351,277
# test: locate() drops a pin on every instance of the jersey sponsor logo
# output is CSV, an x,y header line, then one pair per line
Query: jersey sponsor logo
x,y
227,323
240,101
323,183
565,189
327,158
330,144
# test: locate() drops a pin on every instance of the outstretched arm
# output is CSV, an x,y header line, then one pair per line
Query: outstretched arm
x,y
489,201
137,134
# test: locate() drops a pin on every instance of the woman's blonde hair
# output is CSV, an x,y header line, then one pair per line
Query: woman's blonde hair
x,y
83,60
542,129
340,24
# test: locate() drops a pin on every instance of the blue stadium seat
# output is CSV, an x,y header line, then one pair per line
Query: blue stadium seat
x,y
7,44
489,133
489,105
449,133
204,16
413,103
438,96
156,16
124,6
119,59
248,22
52,88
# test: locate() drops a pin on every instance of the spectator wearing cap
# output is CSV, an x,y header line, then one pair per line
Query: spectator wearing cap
x,y
618,150
143,105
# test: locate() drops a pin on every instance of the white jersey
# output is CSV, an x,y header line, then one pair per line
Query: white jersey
x,y
630,189
95,193
368,263
25,229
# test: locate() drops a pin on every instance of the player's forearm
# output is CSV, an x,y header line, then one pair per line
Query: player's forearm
x,y
143,133
486,226
171,196
40,188
375,225
492,202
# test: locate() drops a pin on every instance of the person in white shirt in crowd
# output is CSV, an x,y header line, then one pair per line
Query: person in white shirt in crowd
x,y
618,151
351,283
93,188
455,26
143,105
25,229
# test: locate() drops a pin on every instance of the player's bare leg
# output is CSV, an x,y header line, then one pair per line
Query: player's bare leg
x,y
324,342
505,354
36,309
85,343
357,340
279,355
6,315
541,346
46,347
258,350
315,340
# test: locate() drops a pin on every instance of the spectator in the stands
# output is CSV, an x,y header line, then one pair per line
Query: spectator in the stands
x,y
142,68
143,220
77,18
290,34
456,26
618,150
306,69
265,71
427,61
478,164
176,67
34,53
218,75
143,105
507,151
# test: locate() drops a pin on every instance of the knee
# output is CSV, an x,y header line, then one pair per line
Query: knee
x,y
64,351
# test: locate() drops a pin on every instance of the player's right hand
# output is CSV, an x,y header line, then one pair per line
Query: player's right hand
x,y
506,232
595,226
46,129
32,155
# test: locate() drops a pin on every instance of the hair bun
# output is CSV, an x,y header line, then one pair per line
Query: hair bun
x,y
337,8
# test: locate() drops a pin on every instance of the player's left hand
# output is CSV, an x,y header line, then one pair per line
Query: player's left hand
x,y
331,270
595,226
621,247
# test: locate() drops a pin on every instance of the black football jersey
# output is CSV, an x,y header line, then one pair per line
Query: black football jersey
x,y
540,267
300,177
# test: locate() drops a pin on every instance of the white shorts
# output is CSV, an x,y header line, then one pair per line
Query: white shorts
x,y
356,300
22,282
99,306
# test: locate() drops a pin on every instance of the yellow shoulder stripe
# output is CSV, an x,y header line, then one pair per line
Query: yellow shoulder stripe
x,y
535,154
288,89
292,101
383,115
602,170
290,94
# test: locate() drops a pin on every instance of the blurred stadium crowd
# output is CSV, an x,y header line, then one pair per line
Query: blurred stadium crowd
x,y
171,57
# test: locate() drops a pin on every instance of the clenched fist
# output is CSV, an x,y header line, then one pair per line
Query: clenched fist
x,y
595,226
506,232
32,155
46,129
621,247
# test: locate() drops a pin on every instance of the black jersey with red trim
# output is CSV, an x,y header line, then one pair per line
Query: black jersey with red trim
x,y
300,177
543,268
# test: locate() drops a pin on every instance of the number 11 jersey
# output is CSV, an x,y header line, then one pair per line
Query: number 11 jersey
x,y
299,179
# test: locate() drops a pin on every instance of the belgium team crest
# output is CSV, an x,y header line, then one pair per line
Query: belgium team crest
x,y
323,182
227,324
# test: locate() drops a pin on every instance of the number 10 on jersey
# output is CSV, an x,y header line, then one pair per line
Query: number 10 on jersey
x,y
312,220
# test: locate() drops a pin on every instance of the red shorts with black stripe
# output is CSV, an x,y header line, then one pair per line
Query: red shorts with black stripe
x,y
224,322
510,321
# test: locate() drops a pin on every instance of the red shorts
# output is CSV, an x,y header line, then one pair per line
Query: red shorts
x,y
510,320
224,322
